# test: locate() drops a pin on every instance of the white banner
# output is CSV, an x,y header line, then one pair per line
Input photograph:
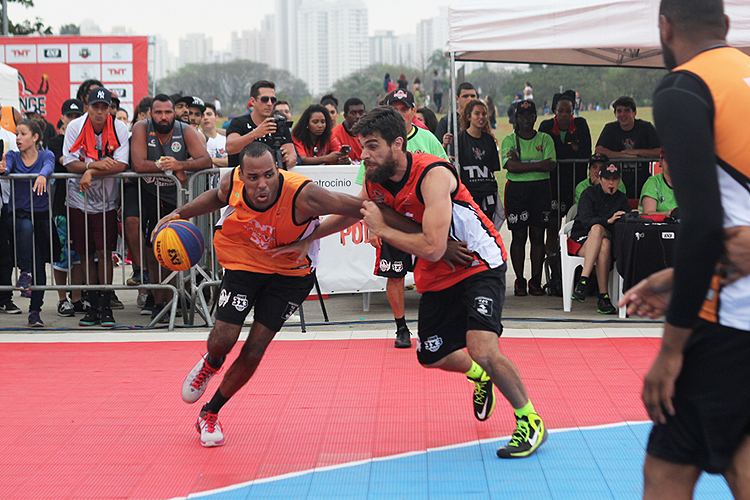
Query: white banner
x,y
347,260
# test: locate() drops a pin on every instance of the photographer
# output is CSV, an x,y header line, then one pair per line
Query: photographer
x,y
260,126
313,140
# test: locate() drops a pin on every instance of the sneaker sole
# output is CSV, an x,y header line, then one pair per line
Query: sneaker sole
x,y
402,345
87,323
36,325
213,444
14,311
108,325
66,315
605,312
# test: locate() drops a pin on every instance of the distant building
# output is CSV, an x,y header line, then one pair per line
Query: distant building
x,y
255,45
432,35
195,48
325,54
285,35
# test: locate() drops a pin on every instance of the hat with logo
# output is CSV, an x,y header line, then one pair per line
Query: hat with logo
x,y
100,94
72,107
197,102
400,95
525,107
598,158
610,170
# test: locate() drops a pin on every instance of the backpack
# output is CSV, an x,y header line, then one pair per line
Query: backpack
x,y
553,272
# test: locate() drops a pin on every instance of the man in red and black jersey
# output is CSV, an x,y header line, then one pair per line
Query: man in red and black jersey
x,y
461,306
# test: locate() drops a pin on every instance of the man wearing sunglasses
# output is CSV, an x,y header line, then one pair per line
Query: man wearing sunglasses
x,y
258,126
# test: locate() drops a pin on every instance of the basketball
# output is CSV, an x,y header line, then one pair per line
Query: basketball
x,y
178,245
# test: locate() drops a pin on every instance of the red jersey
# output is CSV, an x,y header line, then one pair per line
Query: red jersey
x,y
468,223
346,139
332,145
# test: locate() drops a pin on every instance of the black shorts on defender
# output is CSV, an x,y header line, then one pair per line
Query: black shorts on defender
x,y
527,203
475,303
275,297
711,402
392,262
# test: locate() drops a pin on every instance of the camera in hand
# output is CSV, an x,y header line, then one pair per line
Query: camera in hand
x,y
282,129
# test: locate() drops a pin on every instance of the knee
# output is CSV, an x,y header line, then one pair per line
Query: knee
x,y
597,230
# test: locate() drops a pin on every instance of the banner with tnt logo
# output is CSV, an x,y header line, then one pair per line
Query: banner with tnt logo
x,y
50,69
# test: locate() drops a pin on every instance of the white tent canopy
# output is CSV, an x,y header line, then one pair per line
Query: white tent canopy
x,y
8,86
578,32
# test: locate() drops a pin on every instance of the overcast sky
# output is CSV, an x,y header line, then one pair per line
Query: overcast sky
x,y
154,17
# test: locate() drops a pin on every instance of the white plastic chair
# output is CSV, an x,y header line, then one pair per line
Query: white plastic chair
x,y
569,264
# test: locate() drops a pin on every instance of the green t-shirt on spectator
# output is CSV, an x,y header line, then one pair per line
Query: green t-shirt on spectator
x,y
539,148
581,187
419,141
656,187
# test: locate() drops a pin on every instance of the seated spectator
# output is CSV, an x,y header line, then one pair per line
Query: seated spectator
x,y
591,237
477,155
313,140
428,117
332,105
628,137
354,109
657,197
595,163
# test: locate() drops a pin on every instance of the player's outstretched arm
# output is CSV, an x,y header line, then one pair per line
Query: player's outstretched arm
x,y
208,202
429,243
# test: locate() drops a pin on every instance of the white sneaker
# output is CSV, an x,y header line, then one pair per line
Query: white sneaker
x,y
197,380
210,429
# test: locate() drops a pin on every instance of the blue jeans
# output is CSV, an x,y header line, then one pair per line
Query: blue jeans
x,y
31,251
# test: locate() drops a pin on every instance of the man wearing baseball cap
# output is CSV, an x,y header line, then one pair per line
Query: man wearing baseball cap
x,y
181,103
591,237
95,145
391,262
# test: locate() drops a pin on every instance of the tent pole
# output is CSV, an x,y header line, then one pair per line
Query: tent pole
x,y
452,109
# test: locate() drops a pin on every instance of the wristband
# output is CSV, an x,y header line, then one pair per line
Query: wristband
x,y
87,165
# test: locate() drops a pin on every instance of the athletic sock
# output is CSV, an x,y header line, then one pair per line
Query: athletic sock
x,y
584,280
522,412
216,402
475,372
215,363
400,322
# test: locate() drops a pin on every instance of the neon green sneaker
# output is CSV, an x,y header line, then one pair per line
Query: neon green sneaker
x,y
484,397
529,435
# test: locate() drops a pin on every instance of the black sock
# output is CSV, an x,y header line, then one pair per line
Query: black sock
x,y
602,295
93,297
583,280
216,402
215,363
105,299
401,322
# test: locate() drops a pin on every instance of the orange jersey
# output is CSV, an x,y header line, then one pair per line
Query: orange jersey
x,y
726,73
7,120
246,233
340,133
468,223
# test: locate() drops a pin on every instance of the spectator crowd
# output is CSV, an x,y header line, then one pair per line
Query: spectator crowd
x,y
85,226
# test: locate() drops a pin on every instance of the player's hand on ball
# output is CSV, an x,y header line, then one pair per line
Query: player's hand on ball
x,y
162,221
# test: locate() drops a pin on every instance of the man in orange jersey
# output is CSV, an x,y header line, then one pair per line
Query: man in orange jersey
x,y
461,306
697,391
268,208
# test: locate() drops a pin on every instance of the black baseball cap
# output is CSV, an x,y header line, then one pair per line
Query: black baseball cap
x,y
186,99
72,107
609,170
525,107
598,158
197,102
400,95
100,94
175,98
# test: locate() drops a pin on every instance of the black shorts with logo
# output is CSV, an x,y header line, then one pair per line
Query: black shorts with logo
x,y
275,297
527,203
476,303
392,262
711,402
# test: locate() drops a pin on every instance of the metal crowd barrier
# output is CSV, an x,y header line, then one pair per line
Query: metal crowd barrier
x,y
177,291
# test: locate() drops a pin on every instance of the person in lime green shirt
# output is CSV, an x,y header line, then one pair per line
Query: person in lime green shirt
x,y
595,163
657,195
418,140
529,156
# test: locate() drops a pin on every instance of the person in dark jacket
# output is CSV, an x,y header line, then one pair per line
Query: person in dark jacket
x,y
572,140
591,237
